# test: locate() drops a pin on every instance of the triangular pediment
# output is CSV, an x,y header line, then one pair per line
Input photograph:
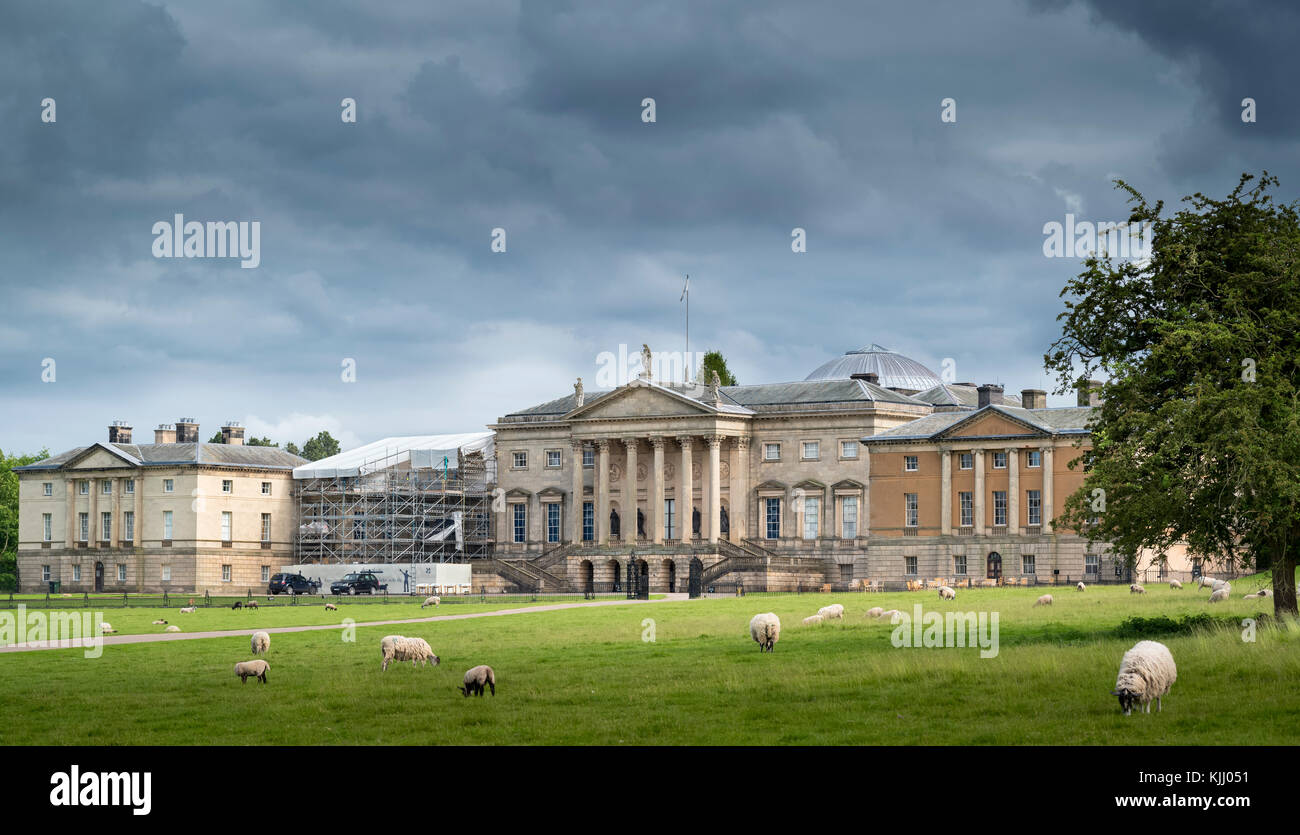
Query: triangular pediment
x,y
640,399
99,457
991,423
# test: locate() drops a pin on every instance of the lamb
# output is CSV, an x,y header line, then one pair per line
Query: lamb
x,y
875,612
765,629
947,593
832,611
172,628
1081,586
1136,588
1146,673
256,668
430,601
1045,600
476,678
1219,594
261,642
189,610
330,607
812,620
238,605
1175,585
401,648
160,623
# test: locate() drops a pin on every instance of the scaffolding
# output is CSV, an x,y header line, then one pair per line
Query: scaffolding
x,y
395,509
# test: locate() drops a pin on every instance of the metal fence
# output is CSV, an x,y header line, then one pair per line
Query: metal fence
x,y
166,600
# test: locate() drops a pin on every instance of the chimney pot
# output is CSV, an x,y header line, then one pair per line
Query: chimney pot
x,y
989,395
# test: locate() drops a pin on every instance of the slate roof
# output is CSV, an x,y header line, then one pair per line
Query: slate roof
x,y
1070,420
958,395
892,368
158,455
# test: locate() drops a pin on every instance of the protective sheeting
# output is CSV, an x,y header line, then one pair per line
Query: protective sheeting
x,y
416,451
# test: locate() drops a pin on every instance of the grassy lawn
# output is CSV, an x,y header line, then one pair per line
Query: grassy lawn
x,y
585,676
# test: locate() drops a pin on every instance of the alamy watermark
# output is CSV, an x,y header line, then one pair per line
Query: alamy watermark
x,y
946,629
1080,239
214,239
53,629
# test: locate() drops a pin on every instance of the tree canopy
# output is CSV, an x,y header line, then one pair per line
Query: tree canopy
x,y
1197,438
714,361
321,446
9,514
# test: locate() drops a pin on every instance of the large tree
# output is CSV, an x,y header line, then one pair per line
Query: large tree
x,y
1197,439
9,514
321,446
714,361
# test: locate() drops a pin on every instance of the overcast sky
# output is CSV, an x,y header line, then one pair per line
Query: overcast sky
x,y
923,236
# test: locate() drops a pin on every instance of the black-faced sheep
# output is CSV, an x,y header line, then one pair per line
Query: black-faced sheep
x,y
1136,588
330,607
1146,674
256,668
947,593
477,678
160,623
261,642
238,605
1081,586
765,629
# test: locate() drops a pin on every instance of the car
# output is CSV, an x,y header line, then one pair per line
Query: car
x,y
291,584
357,583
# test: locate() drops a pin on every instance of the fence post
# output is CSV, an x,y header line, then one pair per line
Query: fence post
x,y
207,598
126,603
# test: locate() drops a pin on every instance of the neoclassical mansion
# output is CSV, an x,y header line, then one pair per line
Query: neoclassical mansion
x,y
870,469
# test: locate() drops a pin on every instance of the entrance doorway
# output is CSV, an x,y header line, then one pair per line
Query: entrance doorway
x,y
995,566
99,576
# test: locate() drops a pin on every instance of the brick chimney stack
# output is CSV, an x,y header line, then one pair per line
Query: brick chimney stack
x,y
187,431
119,432
1090,393
165,434
232,433
990,395
1033,398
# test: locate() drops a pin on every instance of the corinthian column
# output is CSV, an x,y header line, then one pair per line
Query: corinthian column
x,y
657,491
602,491
714,500
575,506
685,499
628,522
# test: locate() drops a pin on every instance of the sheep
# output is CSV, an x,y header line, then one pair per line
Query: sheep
x,y
947,593
1045,600
1136,588
1256,596
430,601
238,605
1146,673
252,604
172,628
1219,594
160,623
812,620
1175,585
330,607
891,614
875,612
401,648
1265,592
256,668
765,629
261,643
476,678
106,628
1081,586
832,611
189,610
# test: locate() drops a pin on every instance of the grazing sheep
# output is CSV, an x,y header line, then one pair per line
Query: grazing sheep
x,y
330,607
261,642
189,610
875,612
832,611
252,604
1219,594
1081,586
891,614
172,628
256,668
1146,673
1256,596
430,601
1174,584
401,648
1045,600
812,620
106,628
947,593
765,629
476,678
160,623
238,605
1136,588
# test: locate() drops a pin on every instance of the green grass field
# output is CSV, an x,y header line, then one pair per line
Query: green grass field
x,y
585,676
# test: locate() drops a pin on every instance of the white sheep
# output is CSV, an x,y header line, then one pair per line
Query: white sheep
x,y
401,648
1219,594
189,610
1136,588
261,642
172,628
875,612
1081,586
891,614
812,620
160,623
476,678
947,593
1146,674
1045,600
106,628
1203,581
430,601
832,611
256,668
765,629
330,607
1175,585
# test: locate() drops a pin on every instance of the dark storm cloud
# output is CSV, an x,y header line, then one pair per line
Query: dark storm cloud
x,y
924,237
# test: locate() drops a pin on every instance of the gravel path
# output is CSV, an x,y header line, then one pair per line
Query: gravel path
x,y
112,640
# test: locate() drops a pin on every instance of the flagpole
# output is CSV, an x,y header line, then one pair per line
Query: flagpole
x,y
686,294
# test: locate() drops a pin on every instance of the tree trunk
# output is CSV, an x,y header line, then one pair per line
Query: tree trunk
x,y
1284,600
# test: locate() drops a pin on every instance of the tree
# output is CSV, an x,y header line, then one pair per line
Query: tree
x,y
292,448
714,361
9,515
217,439
263,441
1197,438
321,446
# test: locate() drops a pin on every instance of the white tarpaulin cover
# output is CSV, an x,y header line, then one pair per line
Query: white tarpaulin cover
x,y
422,451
